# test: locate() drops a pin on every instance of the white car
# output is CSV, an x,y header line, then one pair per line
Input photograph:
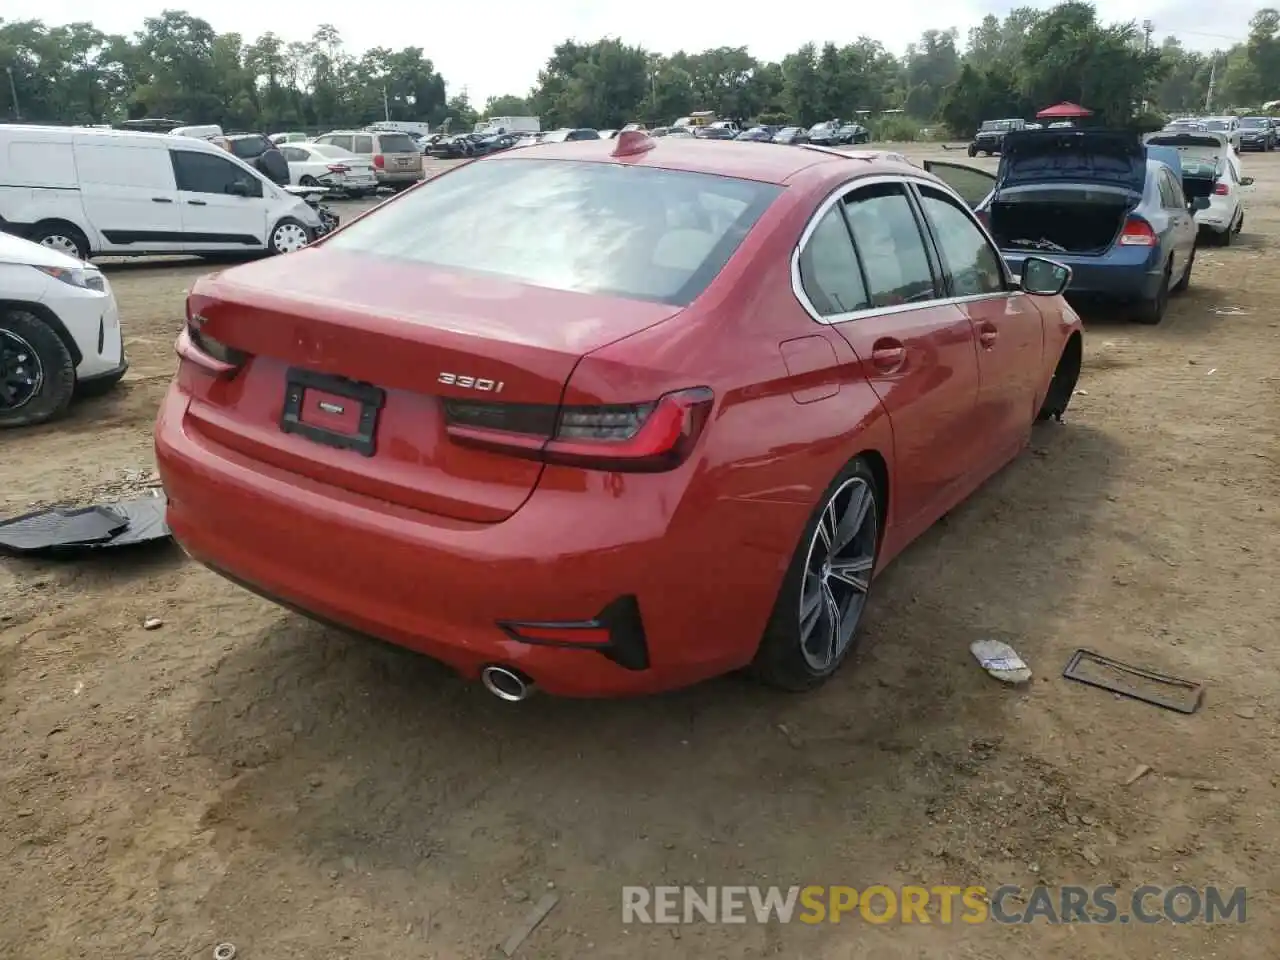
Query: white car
x,y
59,332
114,193
1210,156
326,165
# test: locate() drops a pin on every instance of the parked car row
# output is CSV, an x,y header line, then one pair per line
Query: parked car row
x,y
1122,213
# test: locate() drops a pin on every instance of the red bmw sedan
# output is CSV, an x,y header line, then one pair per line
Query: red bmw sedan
x,y
610,417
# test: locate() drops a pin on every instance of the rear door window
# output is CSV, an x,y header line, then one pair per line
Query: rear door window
x,y
294,155
829,272
338,140
889,243
363,145
637,232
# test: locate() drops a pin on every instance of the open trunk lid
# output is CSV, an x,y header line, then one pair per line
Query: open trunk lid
x,y
354,394
1040,157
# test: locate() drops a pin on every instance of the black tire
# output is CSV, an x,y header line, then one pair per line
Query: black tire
x,y
973,151
282,235
1240,225
20,405
781,659
1224,238
1181,285
62,236
308,181
1062,386
1152,311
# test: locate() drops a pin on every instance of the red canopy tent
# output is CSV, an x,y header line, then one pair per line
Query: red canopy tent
x,y
1064,111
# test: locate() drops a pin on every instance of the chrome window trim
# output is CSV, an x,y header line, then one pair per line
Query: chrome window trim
x,y
908,180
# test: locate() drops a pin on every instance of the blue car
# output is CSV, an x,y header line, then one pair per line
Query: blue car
x,y
1112,209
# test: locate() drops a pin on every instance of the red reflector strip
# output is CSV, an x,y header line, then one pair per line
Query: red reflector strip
x,y
568,634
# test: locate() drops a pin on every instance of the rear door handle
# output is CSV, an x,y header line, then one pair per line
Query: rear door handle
x,y
888,355
987,335
197,203
161,200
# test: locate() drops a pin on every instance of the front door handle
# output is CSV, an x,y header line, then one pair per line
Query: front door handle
x,y
161,200
987,335
888,355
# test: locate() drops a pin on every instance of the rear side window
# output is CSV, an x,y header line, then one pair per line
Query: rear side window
x,y
396,143
294,155
888,239
207,173
627,231
338,140
363,145
829,268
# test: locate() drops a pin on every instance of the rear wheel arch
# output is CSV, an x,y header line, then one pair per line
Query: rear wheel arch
x,y
880,471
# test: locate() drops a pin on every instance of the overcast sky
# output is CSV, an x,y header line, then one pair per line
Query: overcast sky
x,y
497,46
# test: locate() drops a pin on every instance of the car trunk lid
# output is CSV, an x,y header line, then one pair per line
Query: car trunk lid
x,y
1038,157
351,362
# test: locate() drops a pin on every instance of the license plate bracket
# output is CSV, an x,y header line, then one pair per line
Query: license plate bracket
x,y
299,382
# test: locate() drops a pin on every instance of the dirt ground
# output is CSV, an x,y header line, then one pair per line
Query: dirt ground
x,y
241,774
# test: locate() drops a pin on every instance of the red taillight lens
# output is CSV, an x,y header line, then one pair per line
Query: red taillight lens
x,y
204,351
379,161
338,168
1220,190
628,437
1137,233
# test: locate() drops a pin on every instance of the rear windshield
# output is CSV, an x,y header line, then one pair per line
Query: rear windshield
x,y
601,228
1217,125
246,148
397,143
1253,123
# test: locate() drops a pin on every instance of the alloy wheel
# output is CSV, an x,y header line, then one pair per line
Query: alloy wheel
x,y
837,574
21,373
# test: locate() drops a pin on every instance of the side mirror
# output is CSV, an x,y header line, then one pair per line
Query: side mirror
x,y
239,188
1044,278
1199,203
1246,181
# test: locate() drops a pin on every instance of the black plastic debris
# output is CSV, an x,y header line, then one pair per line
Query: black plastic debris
x,y
71,529
1137,683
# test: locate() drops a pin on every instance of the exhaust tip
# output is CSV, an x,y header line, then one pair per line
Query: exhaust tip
x,y
506,684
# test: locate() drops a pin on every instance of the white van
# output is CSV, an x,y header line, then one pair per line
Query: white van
x,y
118,193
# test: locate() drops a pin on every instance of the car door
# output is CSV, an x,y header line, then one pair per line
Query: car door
x,y
222,203
1182,225
866,271
129,195
973,184
1008,326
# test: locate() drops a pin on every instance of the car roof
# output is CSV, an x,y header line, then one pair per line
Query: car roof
x,y
726,158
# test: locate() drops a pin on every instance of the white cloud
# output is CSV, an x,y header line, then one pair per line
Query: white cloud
x,y
497,46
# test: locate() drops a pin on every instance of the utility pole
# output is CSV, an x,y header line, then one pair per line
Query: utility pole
x,y
1147,28
1213,73
13,91
386,107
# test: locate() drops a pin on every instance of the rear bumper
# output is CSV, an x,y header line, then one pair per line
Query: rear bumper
x,y
396,177
1122,274
444,587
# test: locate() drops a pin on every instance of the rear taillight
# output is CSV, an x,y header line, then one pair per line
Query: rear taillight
x,y
204,351
628,437
1137,233
1220,190
379,161
338,168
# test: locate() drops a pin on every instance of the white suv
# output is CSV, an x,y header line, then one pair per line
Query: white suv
x,y
59,332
